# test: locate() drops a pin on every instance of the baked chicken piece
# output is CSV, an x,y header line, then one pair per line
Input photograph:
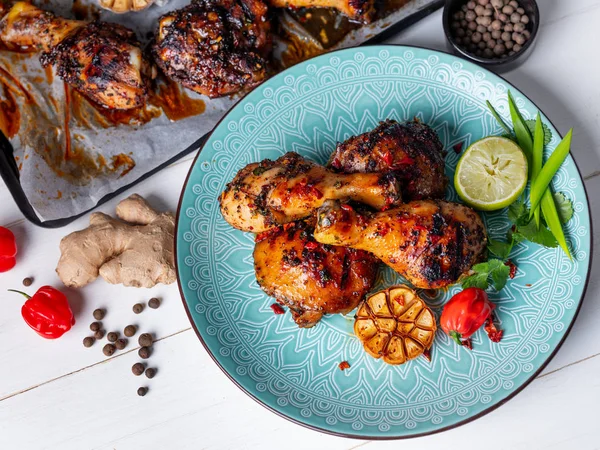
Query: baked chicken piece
x,y
412,150
214,47
363,10
429,242
101,60
312,279
263,195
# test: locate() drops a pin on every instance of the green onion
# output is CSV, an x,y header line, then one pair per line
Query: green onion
x,y
498,118
521,130
553,221
537,156
541,183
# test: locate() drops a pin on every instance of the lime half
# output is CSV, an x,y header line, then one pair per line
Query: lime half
x,y
491,174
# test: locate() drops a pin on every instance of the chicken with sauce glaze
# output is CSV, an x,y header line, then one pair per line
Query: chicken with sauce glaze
x,y
429,242
215,47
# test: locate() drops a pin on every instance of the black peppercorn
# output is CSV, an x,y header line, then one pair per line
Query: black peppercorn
x,y
95,326
137,369
144,352
27,281
99,314
109,349
150,372
142,391
121,344
145,340
130,330
99,334
154,303
112,336
138,308
88,341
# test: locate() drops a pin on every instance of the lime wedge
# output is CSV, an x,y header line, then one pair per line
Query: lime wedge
x,y
491,174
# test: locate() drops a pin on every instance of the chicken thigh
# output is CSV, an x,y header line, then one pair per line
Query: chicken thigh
x,y
429,242
263,195
412,150
312,279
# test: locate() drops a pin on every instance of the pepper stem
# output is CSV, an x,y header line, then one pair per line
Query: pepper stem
x,y
456,336
27,296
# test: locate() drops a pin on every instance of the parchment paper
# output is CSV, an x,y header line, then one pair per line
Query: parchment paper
x,y
60,189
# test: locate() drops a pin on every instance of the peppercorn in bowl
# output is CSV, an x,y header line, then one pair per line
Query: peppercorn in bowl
x,y
496,33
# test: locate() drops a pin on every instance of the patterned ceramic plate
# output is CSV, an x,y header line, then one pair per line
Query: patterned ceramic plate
x,y
294,372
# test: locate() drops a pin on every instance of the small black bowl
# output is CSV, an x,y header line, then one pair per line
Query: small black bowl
x,y
505,63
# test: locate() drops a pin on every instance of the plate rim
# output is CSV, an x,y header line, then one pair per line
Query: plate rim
x,y
364,436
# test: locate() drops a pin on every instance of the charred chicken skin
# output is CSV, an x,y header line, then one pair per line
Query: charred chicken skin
x,y
101,60
214,47
311,279
412,150
429,242
270,193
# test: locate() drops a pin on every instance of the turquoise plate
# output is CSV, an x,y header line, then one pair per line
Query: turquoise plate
x,y
294,372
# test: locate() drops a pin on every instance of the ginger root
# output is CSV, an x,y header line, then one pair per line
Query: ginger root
x,y
136,250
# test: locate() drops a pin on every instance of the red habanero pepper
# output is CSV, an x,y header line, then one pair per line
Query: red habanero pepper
x,y
465,313
8,249
47,312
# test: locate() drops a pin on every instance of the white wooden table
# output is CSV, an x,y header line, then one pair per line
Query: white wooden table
x,y
60,395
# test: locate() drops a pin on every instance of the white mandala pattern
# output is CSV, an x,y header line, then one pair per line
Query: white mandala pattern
x,y
309,109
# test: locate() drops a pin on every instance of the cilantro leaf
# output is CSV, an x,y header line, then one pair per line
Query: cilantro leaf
x,y
518,212
564,207
478,280
500,275
541,235
494,269
499,248
547,133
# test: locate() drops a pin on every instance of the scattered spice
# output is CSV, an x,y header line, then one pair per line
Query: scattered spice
x,y
344,365
112,336
130,330
138,308
144,352
277,309
142,391
150,372
467,343
457,148
154,303
27,281
88,341
109,349
95,326
99,334
121,344
493,333
137,369
145,340
99,314
512,267
528,285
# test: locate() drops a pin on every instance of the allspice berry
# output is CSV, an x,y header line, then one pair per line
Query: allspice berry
x,y
144,352
95,326
99,334
109,349
88,341
137,369
142,391
121,344
112,336
138,308
154,303
145,340
99,314
130,330
27,281
150,372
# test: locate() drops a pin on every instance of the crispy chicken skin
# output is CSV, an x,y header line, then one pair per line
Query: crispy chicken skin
x,y
263,195
412,150
362,10
101,60
312,279
429,242
214,47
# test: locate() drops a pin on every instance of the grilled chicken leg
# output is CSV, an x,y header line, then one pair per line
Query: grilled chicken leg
x,y
269,193
430,243
101,60
312,279
412,150
215,47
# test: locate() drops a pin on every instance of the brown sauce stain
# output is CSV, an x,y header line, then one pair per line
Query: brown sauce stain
x,y
49,74
9,80
67,119
123,161
85,12
174,102
10,115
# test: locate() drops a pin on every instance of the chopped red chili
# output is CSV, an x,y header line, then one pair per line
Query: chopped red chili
x,y
467,343
457,148
493,333
344,365
277,309
346,207
265,235
513,269
311,245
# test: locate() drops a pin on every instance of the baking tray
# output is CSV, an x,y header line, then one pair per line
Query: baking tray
x,y
10,171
